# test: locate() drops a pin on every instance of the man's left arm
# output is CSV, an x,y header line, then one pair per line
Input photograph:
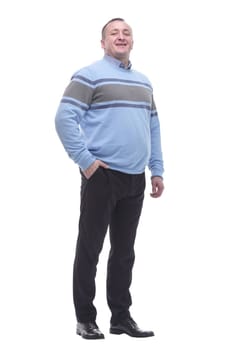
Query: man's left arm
x,y
156,164
157,186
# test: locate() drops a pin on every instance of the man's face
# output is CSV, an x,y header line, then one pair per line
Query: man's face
x,y
118,40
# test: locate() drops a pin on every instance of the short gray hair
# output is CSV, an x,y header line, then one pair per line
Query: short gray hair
x,y
111,20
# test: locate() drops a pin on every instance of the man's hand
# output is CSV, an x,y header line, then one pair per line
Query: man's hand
x,y
157,186
93,167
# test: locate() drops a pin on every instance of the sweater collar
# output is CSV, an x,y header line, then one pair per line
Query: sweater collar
x,y
118,63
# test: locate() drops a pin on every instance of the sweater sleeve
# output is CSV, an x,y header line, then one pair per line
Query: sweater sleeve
x,y
155,165
72,109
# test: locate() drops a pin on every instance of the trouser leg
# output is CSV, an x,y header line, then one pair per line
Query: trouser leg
x,y
93,223
123,227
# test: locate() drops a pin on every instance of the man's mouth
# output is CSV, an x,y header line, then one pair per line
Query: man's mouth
x,y
121,44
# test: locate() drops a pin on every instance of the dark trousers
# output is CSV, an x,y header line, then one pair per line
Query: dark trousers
x,y
109,199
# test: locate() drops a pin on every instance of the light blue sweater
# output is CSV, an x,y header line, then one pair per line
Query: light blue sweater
x,y
108,112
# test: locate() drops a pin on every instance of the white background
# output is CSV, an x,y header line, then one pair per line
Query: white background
x,y
182,285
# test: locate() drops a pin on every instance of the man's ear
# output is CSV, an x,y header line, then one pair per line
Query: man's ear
x,y
102,44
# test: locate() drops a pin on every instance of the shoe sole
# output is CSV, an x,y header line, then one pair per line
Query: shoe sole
x,y
118,331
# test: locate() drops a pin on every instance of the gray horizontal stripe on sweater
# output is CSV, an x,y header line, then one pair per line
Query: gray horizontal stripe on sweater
x,y
79,91
108,92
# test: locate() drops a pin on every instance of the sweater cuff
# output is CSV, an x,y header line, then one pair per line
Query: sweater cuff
x,y
86,161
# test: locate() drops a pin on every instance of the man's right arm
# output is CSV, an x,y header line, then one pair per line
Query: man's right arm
x,y
73,106
67,127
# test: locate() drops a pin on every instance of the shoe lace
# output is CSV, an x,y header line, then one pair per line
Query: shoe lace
x,y
132,322
92,326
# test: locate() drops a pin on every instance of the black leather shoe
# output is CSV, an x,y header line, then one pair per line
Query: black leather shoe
x,y
130,327
89,330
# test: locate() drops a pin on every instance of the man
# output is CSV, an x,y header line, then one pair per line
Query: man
x,y
108,124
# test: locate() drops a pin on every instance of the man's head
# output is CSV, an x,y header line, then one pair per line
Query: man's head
x,y
117,39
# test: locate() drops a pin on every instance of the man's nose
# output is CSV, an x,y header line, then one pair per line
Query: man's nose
x,y
121,36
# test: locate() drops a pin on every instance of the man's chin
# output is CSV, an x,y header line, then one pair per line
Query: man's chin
x,y
122,55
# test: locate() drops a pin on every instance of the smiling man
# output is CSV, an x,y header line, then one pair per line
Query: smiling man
x,y
117,40
108,124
